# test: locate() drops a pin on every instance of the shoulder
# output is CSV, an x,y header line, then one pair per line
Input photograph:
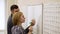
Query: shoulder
x,y
9,21
15,28
9,18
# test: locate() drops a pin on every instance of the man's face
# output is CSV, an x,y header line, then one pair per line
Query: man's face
x,y
15,10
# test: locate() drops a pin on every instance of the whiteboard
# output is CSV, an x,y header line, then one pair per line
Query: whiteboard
x,y
51,18
35,12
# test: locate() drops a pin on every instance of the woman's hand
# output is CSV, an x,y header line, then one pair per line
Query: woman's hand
x,y
33,22
31,26
30,30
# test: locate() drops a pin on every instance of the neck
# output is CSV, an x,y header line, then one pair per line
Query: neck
x,y
19,24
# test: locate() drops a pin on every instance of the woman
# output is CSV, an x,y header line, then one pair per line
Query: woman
x,y
18,18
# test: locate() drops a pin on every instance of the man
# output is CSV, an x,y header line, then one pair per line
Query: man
x,y
13,8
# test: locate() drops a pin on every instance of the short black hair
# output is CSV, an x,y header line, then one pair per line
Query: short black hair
x,y
13,7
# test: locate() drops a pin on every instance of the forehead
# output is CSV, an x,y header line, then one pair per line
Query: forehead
x,y
22,15
16,9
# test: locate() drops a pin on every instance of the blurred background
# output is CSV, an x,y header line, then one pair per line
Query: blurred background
x,y
45,12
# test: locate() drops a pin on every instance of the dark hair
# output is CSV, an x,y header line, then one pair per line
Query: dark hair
x,y
13,7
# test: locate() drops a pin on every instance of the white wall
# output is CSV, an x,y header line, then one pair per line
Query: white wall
x,y
23,3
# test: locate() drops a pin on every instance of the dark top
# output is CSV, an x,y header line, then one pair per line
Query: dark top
x,y
9,24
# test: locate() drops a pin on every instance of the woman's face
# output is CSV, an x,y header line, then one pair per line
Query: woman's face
x,y
22,19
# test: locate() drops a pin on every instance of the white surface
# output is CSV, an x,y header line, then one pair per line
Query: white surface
x,y
2,14
2,33
33,12
51,19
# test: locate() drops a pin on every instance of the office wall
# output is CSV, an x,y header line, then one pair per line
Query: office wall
x,y
24,3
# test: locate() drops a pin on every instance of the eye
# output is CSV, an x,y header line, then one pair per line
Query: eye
x,y
16,10
23,17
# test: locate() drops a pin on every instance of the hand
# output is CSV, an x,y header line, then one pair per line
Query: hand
x,y
33,22
30,29
29,32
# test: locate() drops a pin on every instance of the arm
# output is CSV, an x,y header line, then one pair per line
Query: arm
x,y
9,26
8,29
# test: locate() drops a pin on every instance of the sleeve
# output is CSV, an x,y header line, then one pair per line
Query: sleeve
x,y
8,30
8,27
